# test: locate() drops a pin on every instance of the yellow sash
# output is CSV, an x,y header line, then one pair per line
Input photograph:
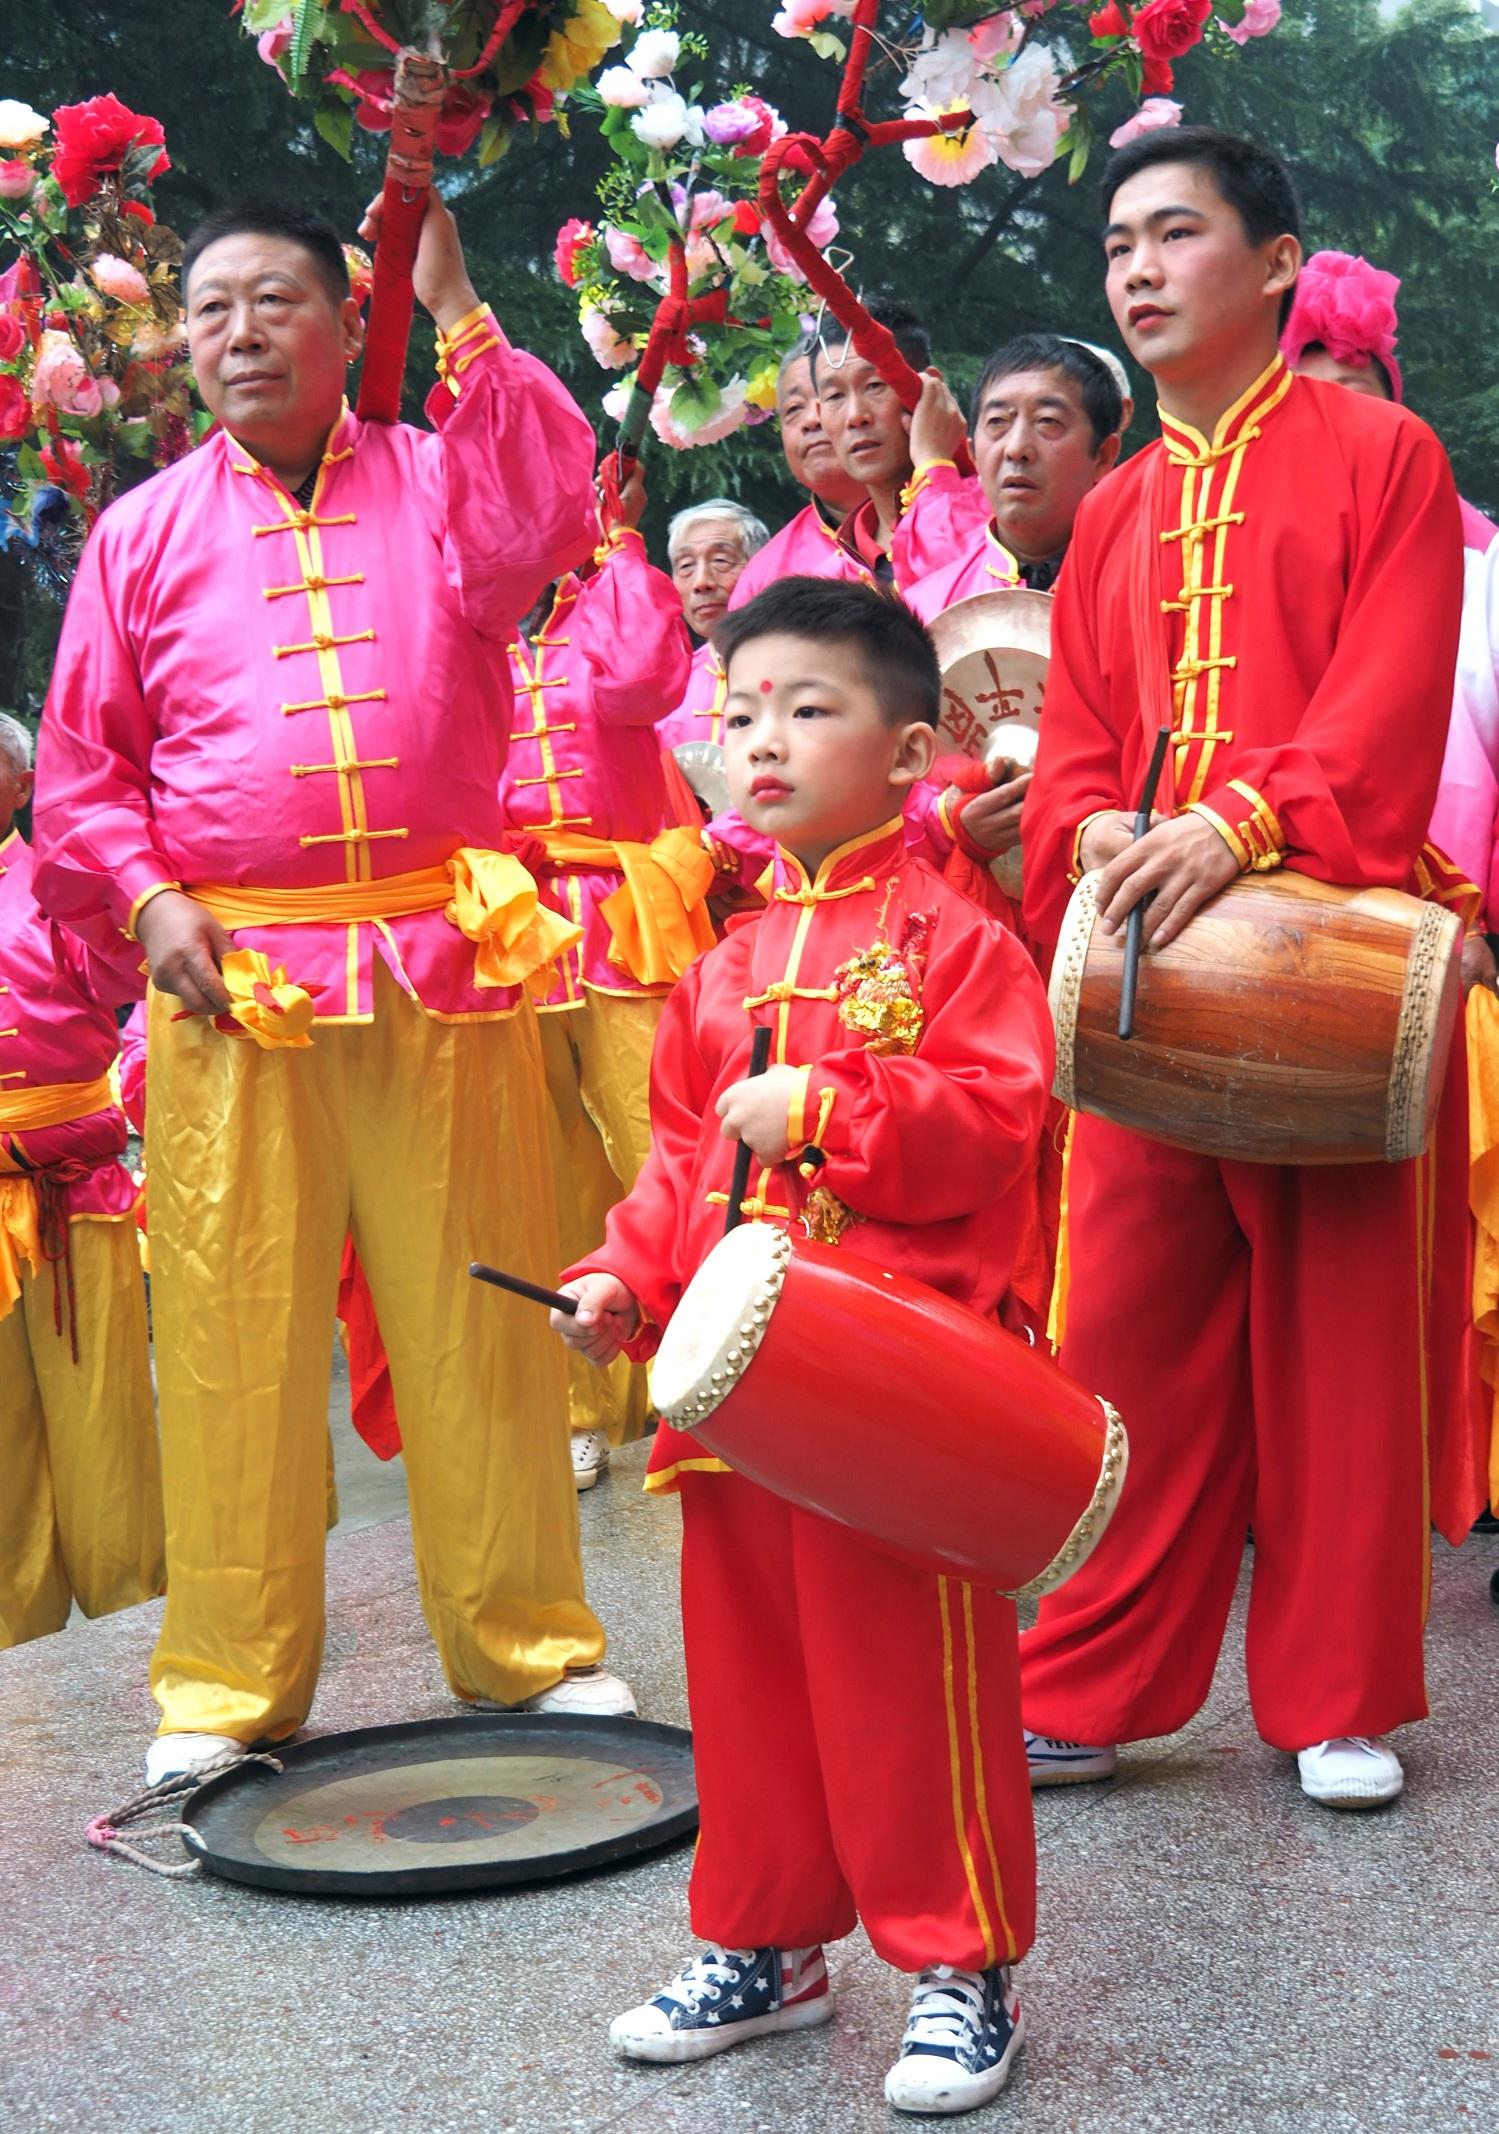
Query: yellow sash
x,y
488,896
54,1104
19,1237
658,922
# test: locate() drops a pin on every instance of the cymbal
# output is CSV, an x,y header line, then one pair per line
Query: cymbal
x,y
994,650
702,765
470,1802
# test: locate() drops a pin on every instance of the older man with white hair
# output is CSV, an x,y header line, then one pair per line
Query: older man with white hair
x,y
80,1512
707,546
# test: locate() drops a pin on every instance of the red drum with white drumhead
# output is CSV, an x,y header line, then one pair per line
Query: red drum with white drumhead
x,y
882,1404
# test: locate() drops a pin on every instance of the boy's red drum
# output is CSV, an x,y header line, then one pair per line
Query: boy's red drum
x,y
880,1403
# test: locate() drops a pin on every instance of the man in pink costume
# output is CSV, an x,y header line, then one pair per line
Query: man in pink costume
x,y
80,1511
584,778
274,739
807,546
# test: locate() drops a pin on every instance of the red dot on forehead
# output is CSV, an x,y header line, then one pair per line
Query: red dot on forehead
x,y
765,688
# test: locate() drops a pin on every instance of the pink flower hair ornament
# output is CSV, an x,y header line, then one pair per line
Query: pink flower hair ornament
x,y
1347,306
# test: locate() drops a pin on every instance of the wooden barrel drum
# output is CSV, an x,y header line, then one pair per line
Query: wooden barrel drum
x,y
1288,1022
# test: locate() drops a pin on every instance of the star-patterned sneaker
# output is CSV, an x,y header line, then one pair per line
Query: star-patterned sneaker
x,y
1066,1763
590,1457
964,2030
722,1998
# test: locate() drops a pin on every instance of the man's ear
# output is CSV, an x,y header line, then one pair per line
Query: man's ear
x,y
351,319
915,753
1282,265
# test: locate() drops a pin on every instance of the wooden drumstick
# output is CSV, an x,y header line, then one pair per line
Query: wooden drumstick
x,y
518,1286
759,1061
1134,925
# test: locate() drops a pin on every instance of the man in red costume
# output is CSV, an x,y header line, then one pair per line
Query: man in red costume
x,y
910,1047
1279,580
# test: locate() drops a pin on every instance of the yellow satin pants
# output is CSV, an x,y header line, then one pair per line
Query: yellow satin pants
x,y
598,1065
429,1141
80,1481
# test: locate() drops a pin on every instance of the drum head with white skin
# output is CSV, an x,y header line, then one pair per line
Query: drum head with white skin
x,y
717,1327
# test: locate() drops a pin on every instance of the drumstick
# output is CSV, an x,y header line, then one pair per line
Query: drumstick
x,y
759,1061
1135,923
519,1287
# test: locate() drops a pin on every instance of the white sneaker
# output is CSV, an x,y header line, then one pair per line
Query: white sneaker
x,y
962,2035
1351,1771
590,1457
590,1692
174,1755
722,1998
1066,1763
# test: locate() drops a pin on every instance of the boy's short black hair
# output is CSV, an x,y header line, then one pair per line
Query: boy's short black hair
x,y
1103,403
897,654
1251,179
273,218
907,331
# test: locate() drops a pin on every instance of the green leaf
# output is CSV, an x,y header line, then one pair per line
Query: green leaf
x,y
696,401
300,49
262,15
493,141
826,45
334,120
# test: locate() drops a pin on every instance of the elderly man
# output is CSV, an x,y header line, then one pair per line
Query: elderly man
x,y
807,546
707,546
80,1513
275,736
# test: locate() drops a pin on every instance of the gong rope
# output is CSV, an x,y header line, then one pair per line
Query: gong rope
x,y
104,1832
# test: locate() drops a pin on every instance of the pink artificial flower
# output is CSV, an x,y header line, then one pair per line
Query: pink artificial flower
x,y
270,44
726,125
1155,111
117,278
1258,20
628,256
770,128
799,18
998,37
16,180
822,229
63,380
951,158
611,349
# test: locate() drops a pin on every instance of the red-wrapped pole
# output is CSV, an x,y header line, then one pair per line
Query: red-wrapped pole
x,y
420,83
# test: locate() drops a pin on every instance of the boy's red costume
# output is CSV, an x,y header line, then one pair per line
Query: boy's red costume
x,y
898,1791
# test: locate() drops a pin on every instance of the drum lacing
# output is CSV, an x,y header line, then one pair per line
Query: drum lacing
x,y
103,1832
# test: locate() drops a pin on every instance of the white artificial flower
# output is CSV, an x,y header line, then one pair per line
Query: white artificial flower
x,y
623,88
20,126
944,73
611,349
729,415
654,54
626,11
1023,117
665,122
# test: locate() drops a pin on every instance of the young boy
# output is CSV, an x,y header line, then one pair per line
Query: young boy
x,y
899,1791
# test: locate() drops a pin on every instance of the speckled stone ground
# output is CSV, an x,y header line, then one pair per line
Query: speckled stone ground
x,y
1216,1954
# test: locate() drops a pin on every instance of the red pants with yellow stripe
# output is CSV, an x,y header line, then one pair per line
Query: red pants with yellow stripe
x,y
1262,1329
856,1731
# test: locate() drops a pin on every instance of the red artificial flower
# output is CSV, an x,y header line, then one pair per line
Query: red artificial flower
x,y
1167,28
461,119
139,210
65,467
1157,78
746,219
1110,21
93,140
756,143
12,336
15,409
571,239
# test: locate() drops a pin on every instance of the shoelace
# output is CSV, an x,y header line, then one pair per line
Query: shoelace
x,y
715,1967
949,2003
